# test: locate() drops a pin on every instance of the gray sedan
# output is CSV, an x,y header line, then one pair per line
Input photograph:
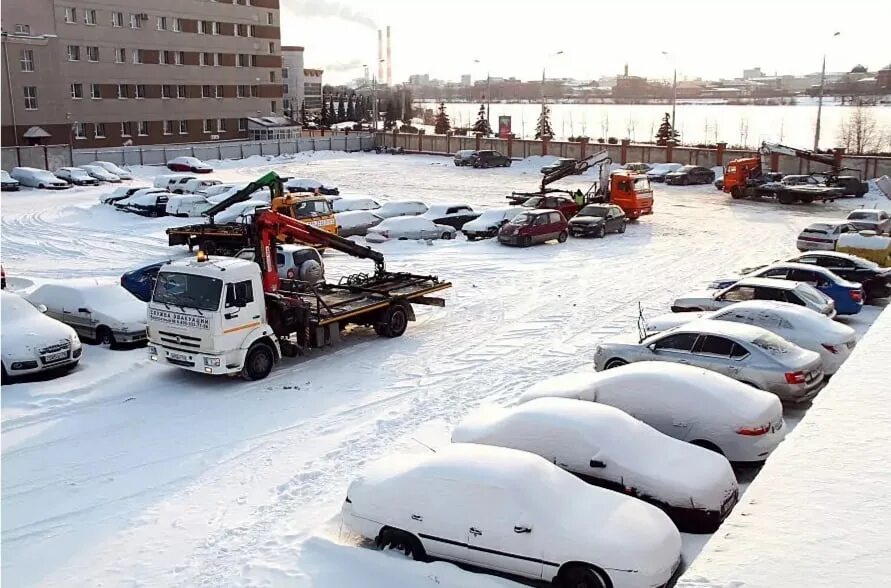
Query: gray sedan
x,y
746,353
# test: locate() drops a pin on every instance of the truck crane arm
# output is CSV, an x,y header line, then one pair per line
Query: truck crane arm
x,y
768,148
602,158
270,180
268,224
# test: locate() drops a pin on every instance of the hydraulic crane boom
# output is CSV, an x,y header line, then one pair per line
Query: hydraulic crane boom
x,y
768,148
578,167
270,180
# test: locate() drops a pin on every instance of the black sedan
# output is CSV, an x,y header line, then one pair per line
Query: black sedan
x,y
559,164
489,158
690,174
596,220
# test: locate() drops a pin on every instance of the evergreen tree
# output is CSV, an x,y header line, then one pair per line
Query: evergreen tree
x,y
304,119
543,126
441,123
325,117
406,102
332,112
482,122
390,114
341,110
666,134
351,107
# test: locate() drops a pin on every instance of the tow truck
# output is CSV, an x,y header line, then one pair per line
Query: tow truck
x,y
229,238
219,315
749,178
624,188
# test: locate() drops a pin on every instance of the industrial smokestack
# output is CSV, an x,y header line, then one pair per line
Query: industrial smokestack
x,y
380,55
389,59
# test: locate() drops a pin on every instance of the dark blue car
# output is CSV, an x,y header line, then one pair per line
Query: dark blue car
x,y
848,296
140,282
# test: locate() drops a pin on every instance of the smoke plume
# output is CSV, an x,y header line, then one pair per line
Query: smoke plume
x,y
323,8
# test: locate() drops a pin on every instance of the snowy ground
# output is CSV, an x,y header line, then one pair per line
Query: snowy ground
x,y
129,473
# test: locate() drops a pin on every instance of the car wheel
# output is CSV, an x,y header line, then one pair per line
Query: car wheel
x,y
601,232
623,226
258,362
561,238
401,541
707,445
104,336
446,236
393,321
614,363
684,181
526,242
41,186
4,377
581,576
507,164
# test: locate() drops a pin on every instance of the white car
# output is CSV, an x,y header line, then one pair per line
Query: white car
x,y
115,169
356,222
33,342
239,212
757,289
347,203
76,176
100,311
487,224
171,182
408,227
100,173
121,193
807,329
512,512
691,404
262,195
870,219
395,208
187,204
193,185
604,446
822,236
189,164
136,194
38,178
294,262
217,189
7,182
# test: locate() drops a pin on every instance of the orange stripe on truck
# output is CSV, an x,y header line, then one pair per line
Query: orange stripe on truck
x,y
241,328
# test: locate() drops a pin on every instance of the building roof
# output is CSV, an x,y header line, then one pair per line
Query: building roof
x,y
292,48
313,72
36,133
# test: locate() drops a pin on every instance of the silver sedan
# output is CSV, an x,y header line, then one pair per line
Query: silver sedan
x,y
746,353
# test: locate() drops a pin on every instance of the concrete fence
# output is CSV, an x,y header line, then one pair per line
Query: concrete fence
x,y
864,166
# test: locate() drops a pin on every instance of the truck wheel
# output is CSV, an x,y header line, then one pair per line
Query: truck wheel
x,y
393,322
258,362
737,193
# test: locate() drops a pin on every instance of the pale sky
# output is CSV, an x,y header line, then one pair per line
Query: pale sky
x,y
709,39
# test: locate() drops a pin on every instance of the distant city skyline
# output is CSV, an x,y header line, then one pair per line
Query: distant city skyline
x,y
514,39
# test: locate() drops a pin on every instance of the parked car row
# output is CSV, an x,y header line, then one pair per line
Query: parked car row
x,y
64,177
482,158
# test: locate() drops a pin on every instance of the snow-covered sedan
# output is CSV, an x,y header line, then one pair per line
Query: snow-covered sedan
x,y
149,202
239,212
102,312
189,164
7,182
694,405
801,326
348,203
115,169
512,512
870,219
76,176
187,204
606,447
394,208
121,193
757,289
408,227
33,342
356,222
38,178
100,173
746,353
486,225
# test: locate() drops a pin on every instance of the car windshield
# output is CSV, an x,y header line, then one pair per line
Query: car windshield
x,y
523,219
600,211
686,168
862,215
533,202
188,290
773,344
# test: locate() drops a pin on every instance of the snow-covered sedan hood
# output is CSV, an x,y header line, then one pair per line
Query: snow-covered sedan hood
x,y
696,297
663,322
124,315
24,335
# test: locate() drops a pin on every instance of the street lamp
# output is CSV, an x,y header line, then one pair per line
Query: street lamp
x,y
488,95
674,89
374,106
820,98
550,55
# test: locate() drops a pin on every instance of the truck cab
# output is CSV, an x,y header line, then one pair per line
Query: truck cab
x,y
310,209
632,192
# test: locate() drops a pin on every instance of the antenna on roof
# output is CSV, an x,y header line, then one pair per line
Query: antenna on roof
x,y
423,445
642,330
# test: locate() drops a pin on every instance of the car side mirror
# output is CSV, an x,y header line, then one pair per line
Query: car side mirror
x,y
81,309
596,463
522,528
652,347
41,307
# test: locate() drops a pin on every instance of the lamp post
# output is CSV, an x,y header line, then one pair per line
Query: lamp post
x,y
674,89
488,95
555,54
820,98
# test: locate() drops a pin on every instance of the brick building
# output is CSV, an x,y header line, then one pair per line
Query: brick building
x,y
113,72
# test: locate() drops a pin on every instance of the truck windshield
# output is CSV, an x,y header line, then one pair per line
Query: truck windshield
x,y
188,290
311,208
642,184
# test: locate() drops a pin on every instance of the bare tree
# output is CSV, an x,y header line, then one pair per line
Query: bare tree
x,y
859,133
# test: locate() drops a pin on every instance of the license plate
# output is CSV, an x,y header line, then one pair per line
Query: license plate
x,y
56,356
178,356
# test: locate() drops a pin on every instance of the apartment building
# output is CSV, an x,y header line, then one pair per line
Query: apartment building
x,y
292,80
312,90
119,72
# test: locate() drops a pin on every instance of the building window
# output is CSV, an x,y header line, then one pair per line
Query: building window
x,y
168,127
251,31
140,91
117,19
202,59
22,29
176,25
120,56
274,106
73,53
208,125
255,90
99,130
218,59
142,128
242,124
30,97
272,76
126,129
77,91
205,91
241,91
95,91
90,16
284,73
166,91
244,60
221,125
26,57
162,23
241,30
137,56
181,91
284,88
135,21
93,54
78,130
220,91
271,46
71,15
123,92
179,57
270,19
202,27
253,61
164,57
215,28
183,127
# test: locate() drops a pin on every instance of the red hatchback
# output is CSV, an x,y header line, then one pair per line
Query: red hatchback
x,y
565,205
535,226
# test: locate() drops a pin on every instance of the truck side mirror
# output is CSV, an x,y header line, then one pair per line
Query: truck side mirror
x,y
596,463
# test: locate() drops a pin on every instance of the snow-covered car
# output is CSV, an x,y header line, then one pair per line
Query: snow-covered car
x,y
193,185
637,167
487,224
744,352
115,169
870,219
294,262
757,289
660,170
801,326
310,185
33,342
606,447
394,208
217,189
76,176
7,182
139,196
513,512
454,215
262,195
822,236
356,222
464,157
408,227
698,406
38,178
100,311
100,173
239,212
187,204
151,202
189,164
171,182
121,193
349,203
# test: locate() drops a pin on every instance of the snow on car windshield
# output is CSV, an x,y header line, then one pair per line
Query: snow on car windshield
x,y
187,290
773,344
523,219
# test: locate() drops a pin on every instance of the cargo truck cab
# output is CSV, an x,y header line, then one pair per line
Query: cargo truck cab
x,y
632,193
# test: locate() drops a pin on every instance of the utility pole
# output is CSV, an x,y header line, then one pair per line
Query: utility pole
x,y
820,100
674,98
